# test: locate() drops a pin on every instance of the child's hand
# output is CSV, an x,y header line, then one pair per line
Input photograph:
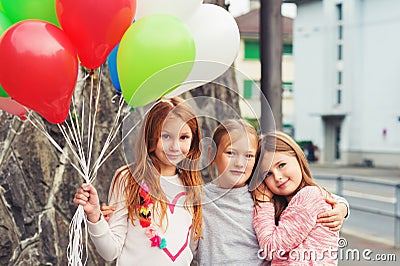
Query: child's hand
x,y
262,193
107,211
334,218
87,196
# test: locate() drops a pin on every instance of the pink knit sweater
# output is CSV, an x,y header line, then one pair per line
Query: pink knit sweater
x,y
298,239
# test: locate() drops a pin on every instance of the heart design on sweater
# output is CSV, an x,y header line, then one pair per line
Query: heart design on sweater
x,y
174,201
174,257
171,206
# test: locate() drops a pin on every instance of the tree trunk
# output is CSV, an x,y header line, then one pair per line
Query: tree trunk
x,y
37,184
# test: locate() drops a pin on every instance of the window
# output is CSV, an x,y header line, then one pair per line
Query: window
x,y
288,129
339,41
340,52
251,49
251,89
337,142
287,86
339,96
339,10
340,32
287,49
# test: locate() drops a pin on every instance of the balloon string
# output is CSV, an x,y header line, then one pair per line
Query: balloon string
x,y
96,106
74,249
76,129
73,136
72,148
84,78
83,119
111,136
81,146
37,124
75,246
119,143
89,116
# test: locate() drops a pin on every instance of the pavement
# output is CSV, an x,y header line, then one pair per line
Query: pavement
x,y
357,248
376,173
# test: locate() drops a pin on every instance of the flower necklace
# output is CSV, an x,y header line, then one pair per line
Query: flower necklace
x,y
146,202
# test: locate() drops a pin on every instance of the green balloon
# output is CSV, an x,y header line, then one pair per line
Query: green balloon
x,y
3,93
18,10
155,56
5,23
1,7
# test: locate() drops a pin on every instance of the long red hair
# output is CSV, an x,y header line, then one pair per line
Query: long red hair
x,y
146,168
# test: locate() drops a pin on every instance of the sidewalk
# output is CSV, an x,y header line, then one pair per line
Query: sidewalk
x,y
357,249
389,174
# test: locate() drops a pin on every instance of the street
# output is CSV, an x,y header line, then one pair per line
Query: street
x,y
364,231
374,198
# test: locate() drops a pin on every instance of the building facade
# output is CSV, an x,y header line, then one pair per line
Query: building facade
x,y
248,68
346,85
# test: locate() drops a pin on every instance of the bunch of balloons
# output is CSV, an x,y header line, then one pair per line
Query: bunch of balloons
x,y
171,47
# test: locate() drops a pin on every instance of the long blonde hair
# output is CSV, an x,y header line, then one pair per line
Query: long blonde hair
x,y
146,168
280,142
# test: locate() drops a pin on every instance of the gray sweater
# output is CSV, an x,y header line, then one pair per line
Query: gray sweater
x,y
229,237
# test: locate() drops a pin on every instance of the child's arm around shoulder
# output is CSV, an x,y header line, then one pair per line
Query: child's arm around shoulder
x,y
343,201
295,223
334,218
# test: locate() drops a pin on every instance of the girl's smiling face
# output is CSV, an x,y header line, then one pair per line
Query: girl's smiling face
x,y
235,161
281,172
173,145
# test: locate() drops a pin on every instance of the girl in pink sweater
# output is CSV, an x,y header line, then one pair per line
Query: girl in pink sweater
x,y
288,202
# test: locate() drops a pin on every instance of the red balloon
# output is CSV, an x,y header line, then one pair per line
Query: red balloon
x,y
95,26
12,107
39,68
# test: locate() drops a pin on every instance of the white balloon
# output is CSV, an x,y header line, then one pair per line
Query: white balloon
x,y
217,40
182,9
